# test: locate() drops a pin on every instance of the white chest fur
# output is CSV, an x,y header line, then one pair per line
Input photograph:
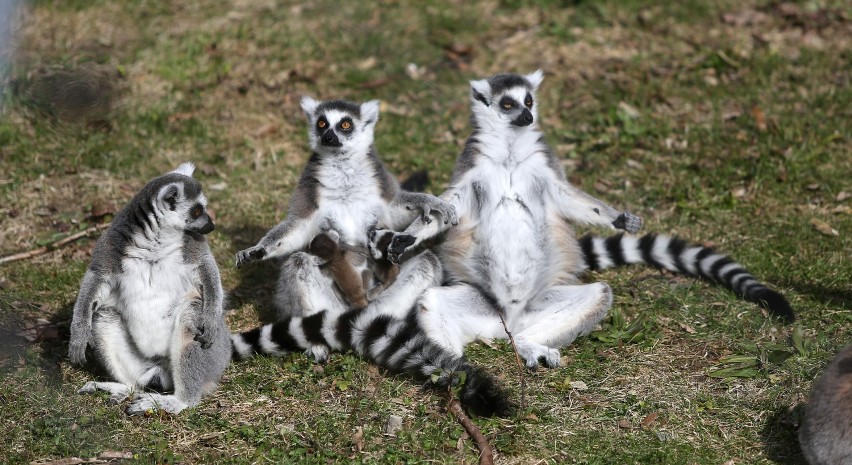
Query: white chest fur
x,y
148,292
509,184
349,198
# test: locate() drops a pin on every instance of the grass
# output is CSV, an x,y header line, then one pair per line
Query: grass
x,y
724,122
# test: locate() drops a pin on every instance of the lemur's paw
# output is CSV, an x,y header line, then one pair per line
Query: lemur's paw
x,y
447,211
399,245
378,243
318,353
628,222
150,402
252,254
89,388
536,354
203,337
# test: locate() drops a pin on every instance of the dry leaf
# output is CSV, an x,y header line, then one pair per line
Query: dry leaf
x,y
393,425
650,419
687,328
824,227
759,118
842,195
115,455
358,439
624,424
578,385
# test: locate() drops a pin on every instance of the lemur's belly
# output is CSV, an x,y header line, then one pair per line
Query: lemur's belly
x,y
352,219
510,256
150,300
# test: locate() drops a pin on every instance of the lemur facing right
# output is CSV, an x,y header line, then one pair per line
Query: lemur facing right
x,y
826,433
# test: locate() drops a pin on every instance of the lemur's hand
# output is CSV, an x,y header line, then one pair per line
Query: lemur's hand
x,y
251,254
428,204
204,334
398,246
81,336
628,222
390,245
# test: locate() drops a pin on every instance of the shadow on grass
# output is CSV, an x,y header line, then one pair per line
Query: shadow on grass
x,y
257,280
780,436
831,296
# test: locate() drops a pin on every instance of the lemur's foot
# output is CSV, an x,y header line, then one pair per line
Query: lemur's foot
x,y
628,222
399,245
251,254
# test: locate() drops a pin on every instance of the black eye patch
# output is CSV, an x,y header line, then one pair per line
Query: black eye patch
x,y
528,101
322,123
196,211
346,125
507,103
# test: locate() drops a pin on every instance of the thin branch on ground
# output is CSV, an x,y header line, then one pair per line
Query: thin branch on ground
x,y
53,245
521,368
486,454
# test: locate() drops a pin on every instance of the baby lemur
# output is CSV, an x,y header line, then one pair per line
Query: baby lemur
x,y
354,286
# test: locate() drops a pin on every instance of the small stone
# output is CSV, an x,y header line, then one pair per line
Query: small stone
x,y
393,425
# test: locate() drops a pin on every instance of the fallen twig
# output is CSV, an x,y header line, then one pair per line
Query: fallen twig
x,y
53,245
486,455
520,364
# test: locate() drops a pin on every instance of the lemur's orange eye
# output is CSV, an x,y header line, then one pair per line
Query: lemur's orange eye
x,y
507,106
321,124
528,102
346,125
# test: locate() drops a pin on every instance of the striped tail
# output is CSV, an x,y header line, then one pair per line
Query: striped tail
x,y
676,255
399,345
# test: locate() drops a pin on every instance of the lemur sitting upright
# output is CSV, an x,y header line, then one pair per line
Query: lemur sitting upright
x,y
344,188
150,304
513,254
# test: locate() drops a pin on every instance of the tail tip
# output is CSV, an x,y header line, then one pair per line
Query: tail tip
x,y
775,304
483,395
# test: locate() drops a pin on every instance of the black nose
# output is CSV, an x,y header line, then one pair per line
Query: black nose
x,y
329,139
524,119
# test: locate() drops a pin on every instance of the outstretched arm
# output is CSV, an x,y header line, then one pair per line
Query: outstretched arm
x,y
290,235
81,323
406,202
578,206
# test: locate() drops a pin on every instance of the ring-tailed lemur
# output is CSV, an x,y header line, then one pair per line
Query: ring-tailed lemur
x,y
826,432
150,304
513,253
345,188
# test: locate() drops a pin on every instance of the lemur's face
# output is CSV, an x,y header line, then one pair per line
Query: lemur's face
x,y
181,204
505,100
337,127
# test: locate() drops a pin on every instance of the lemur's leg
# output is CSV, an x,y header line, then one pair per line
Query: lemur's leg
x,y
454,316
196,367
303,289
119,356
556,317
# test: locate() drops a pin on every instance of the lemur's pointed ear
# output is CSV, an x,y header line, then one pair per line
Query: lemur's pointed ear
x,y
370,112
481,91
169,194
309,105
535,78
185,169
